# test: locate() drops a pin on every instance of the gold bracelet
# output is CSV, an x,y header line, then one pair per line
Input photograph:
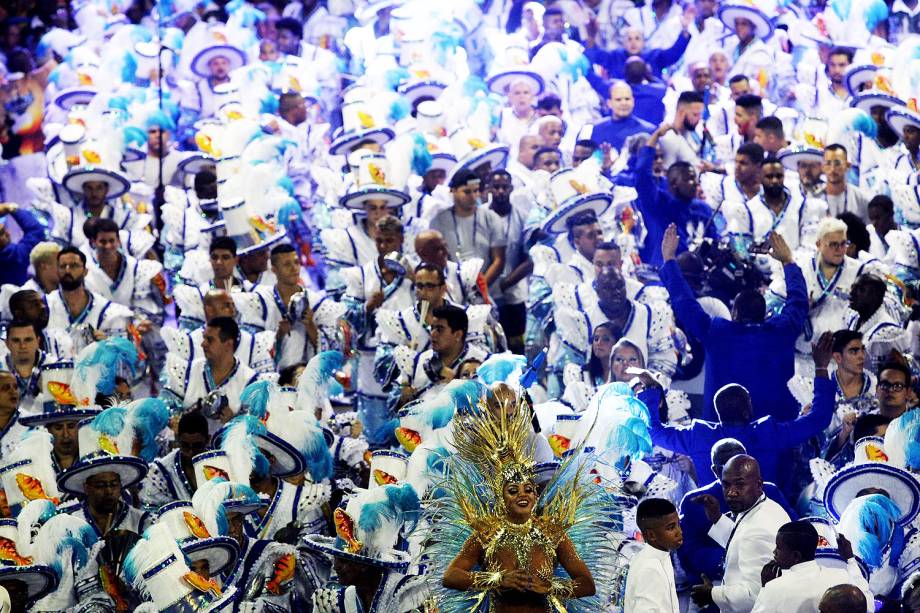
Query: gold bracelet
x,y
562,589
484,581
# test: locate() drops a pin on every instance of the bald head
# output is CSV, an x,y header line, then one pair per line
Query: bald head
x,y
742,483
431,249
218,303
527,148
844,598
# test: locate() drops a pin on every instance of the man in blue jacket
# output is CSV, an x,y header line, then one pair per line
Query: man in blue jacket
x,y
614,60
677,204
700,554
750,350
14,257
767,439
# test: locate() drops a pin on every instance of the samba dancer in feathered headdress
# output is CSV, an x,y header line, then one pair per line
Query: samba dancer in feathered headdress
x,y
512,540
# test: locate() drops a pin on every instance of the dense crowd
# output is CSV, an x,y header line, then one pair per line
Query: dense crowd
x,y
460,305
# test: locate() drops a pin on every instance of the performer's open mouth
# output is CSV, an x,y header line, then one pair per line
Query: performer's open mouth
x,y
523,502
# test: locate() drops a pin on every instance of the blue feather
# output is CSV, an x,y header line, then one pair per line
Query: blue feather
x,y
394,77
464,396
317,455
912,445
269,104
287,184
329,363
109,355
399,109
877,522
135,136
254,399
150,417
128,68
160,120
111,421
119,102
875,13
863,123
405,501
497,368
421,157
474,85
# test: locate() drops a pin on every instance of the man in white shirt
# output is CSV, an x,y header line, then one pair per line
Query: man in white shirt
x,y
748,539
795,582
843,598
650,586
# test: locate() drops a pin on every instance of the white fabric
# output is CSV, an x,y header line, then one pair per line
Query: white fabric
x,y
650,586
800,588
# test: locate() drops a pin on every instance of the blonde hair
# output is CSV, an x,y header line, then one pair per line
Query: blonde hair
x,y
43,252
830,225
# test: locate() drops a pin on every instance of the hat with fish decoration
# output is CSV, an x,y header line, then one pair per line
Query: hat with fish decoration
x,y
195,539
38,578
368,529
373,183
121,440
359,123
64,542
156,567
28,472
70,389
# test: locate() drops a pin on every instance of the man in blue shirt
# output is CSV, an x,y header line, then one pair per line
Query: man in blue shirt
x,y
677,204
614,60
622,123
700,554
767,439
750,350
14,257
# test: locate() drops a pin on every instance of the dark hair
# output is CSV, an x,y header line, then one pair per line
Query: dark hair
x,y
462,177
553,10
842,338
770,159
856,231
653,509
772,126
607,246
689,97
836,147
730,403
227,330
752,151
584,142
750,102
883,202
800,536
867,424
286,374
898,366
94,226
580,219
281,250
193,422
430,268
287,101
544,150
549,101
454,316
21,323
291,25
223,242
19,298
71,250
204,177
842,51
738,78
750,306
501,172
594,366
679,166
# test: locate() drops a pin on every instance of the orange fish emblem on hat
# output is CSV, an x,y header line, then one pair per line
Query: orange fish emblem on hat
x,y
91,156
409,439
878,59
881,83
204,142
195,525
813,141
384,478
213,472
874,453
345,529
9,553
581,188
476,143
32,488
61,393
822,542
559,444
282,575
377,175
107,445
219,37
366,120
196,581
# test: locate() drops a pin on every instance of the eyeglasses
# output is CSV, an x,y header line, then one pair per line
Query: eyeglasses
x,y
890,386
428,285
835,245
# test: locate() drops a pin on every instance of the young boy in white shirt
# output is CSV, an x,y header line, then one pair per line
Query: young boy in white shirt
x,y
650,586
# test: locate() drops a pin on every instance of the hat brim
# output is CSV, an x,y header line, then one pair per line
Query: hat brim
x,y
58,416
496,155
792,157
500,83
857,75
221,552
762,24
370,10
326,545
901,486
118,185
288,461
268,243
380,136
237,506
40,580
597,202
235,55
898,119
422,89
356,199
131,470
74,96
866,100
194,164
443,161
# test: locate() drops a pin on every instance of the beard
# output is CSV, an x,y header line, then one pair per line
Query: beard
x,y
886,133
773,191
69,284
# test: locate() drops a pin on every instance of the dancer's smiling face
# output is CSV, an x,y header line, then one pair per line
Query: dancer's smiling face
x,y
520,499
